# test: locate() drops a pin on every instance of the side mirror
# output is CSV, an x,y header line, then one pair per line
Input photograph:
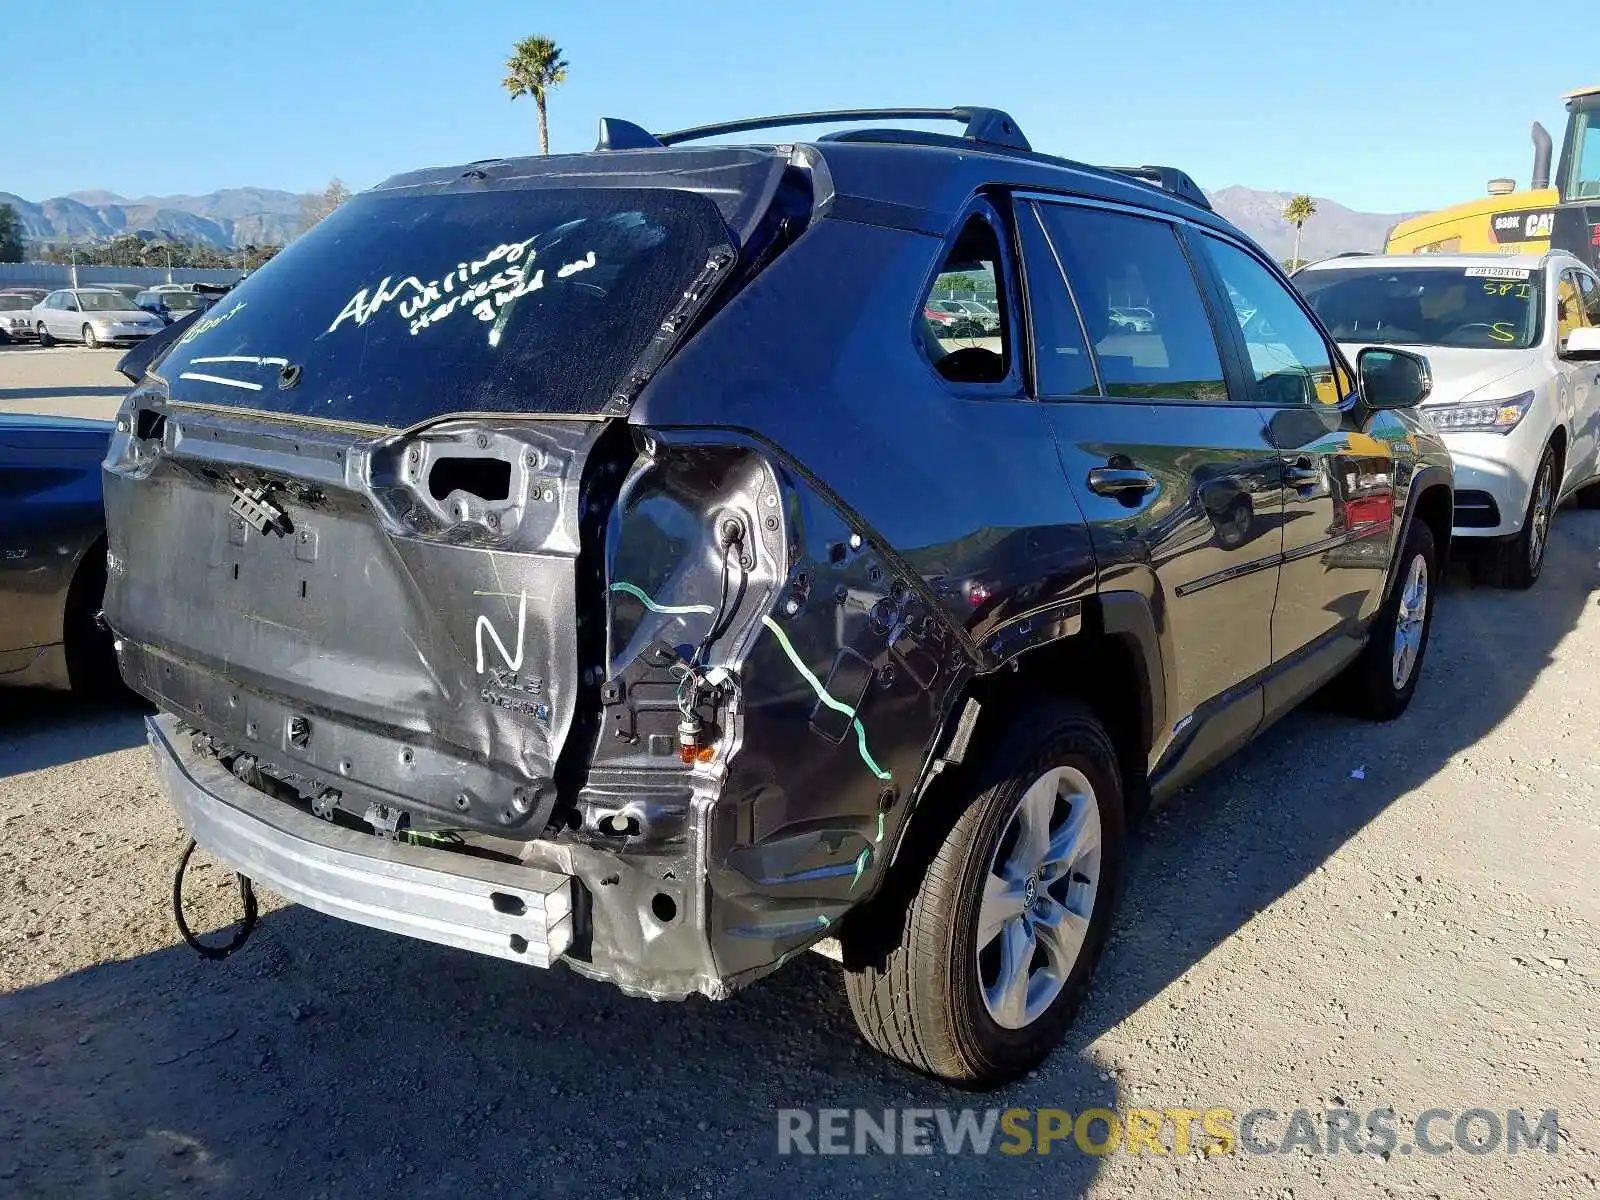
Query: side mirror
x,y
1393,378
1583,345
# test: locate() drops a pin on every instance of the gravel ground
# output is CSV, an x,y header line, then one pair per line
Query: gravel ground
x,y
1342,916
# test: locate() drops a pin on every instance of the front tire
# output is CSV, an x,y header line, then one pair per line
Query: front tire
x,y
90,341
1380,683
972,963
44,336
1518,561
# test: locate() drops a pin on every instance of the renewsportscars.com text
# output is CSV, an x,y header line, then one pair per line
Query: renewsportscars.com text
x,y
1161,1131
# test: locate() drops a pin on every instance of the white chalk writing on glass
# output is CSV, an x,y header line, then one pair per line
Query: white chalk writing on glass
x,y
481,286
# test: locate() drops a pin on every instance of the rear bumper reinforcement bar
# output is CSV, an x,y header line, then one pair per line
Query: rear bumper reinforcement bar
x,y
514,912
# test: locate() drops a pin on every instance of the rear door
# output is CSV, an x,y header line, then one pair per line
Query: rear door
x,y
1169,458
1338,471
65,320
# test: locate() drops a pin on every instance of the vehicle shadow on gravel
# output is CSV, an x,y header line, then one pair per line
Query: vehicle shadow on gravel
x,y
1243,836
40,729
328,1059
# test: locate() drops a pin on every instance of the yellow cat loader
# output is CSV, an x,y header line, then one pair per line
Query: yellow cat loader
x,y
1565,216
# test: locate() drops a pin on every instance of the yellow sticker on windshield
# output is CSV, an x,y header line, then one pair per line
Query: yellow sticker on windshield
x,y
1503,331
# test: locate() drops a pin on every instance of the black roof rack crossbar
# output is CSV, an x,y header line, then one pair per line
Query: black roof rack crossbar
x,y
1168,179
987,125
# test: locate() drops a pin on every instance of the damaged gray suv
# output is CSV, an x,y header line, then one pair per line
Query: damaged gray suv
x,y
606,560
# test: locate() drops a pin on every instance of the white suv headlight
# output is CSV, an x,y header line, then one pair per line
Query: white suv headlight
x,y
1493,416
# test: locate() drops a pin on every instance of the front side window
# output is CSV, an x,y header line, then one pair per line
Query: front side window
x,y
69,302
1590,287
964,346
1569,306
1481,306
1288,356
1140,304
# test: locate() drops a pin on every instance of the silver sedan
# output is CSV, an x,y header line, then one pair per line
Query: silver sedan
x,y
93,316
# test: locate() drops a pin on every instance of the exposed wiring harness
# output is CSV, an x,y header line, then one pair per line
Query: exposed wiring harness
x,y
695,678
247,925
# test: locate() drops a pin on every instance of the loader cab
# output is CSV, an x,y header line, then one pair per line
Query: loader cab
x,y
1577,216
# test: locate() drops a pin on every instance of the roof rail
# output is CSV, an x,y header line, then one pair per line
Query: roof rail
x,y
987,125
1168,179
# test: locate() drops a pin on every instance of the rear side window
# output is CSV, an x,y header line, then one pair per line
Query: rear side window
x,y
963,320
1140,304
398,309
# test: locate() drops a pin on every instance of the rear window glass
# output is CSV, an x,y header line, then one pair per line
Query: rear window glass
x,y
397,309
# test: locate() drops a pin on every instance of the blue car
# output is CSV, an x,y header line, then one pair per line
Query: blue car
x,y
53,554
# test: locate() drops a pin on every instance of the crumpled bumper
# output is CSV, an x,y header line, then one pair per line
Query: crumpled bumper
x,y
511,911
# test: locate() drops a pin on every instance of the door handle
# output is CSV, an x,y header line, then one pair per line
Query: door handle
x,y
1122,482
1301,474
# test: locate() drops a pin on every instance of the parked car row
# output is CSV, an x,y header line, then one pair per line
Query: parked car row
x,y
680,645
101,314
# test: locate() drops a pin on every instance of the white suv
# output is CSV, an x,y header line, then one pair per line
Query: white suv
x,y
1514,345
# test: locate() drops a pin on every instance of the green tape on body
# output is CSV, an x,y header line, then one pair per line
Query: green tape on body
x,y
667,609
822,695
794,657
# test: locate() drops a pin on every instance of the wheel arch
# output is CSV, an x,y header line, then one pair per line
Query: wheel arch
x,y
1113,664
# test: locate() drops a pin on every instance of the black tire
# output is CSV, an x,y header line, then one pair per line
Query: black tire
x,y
45,339
91,660
913,971
1517,562
1368,688
90,341
1234,529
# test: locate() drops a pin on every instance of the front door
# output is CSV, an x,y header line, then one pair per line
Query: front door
x,y
1578,307
1167,455
1337,473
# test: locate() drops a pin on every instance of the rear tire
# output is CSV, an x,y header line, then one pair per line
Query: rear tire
x,y
91,659
1379,685
1517,562
923,990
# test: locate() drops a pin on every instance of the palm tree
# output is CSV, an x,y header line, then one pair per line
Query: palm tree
x,y
1297,212
536,66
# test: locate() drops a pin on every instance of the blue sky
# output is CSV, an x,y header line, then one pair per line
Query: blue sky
x,y
1380,106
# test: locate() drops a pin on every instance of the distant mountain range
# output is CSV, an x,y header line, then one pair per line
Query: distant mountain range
x,y
261,216
226,219
1333,230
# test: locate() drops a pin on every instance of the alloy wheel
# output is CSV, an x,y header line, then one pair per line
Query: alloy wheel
x,y
1539,516
1038,896
1410,620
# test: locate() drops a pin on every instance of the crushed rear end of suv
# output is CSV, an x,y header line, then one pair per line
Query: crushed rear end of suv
x,y
600,560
